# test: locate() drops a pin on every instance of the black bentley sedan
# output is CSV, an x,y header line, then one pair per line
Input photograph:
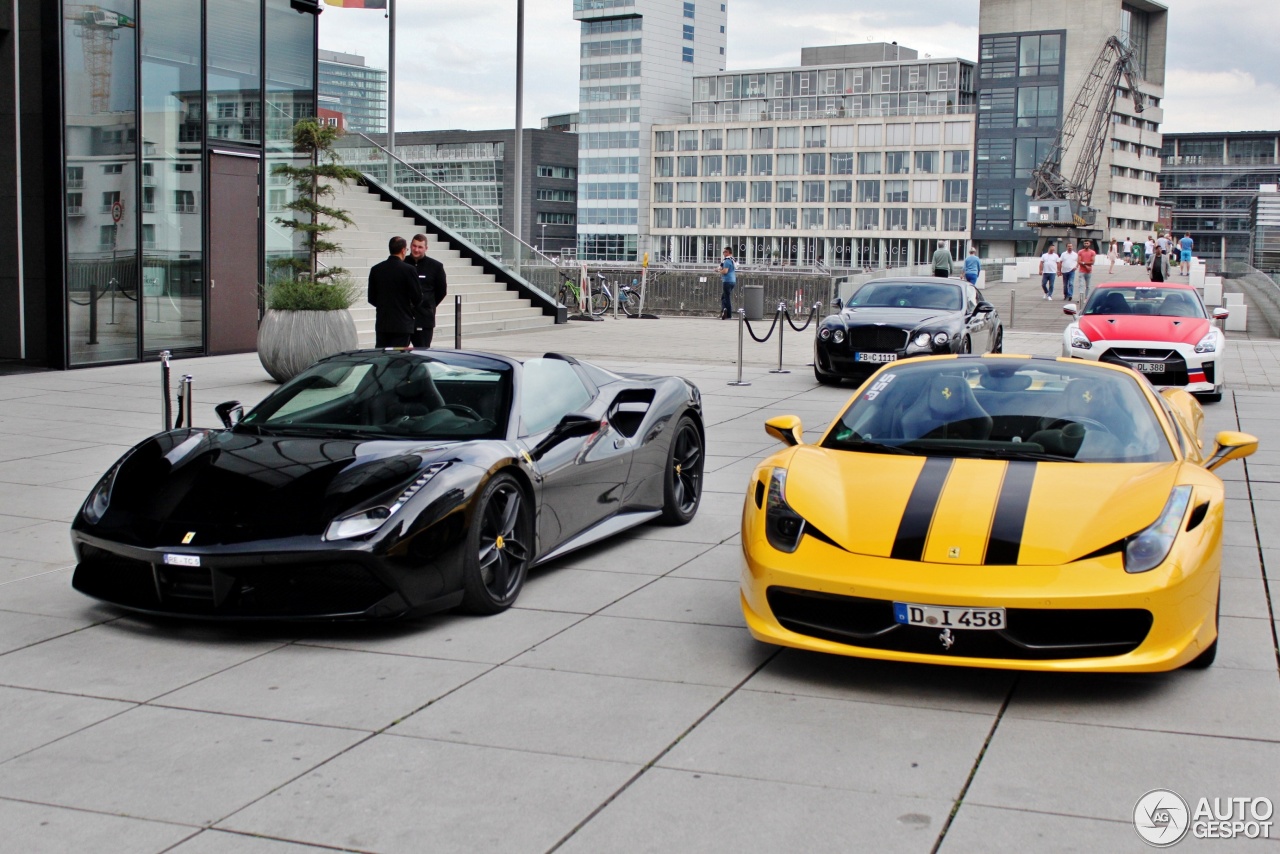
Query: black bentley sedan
x,y
891,319
386,483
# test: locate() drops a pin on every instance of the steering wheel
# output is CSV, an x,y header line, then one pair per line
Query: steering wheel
x,y
1089,422
465,411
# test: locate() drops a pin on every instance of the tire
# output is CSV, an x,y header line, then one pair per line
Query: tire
x,y
998,347
966,346
499,547
631,304
824,379
1206,658
599,304
682,480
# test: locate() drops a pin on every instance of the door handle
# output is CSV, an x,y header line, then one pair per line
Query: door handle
x,y
213,283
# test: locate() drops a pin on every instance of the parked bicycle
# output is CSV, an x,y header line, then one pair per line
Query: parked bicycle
x,y
628,296
570,294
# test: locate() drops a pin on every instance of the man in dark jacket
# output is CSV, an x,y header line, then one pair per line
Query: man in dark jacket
x,y
431,279
395,293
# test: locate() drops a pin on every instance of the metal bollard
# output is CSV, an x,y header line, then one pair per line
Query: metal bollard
x,y
1013,295
742,319
167,409
185,401
93,314
457,321
782,321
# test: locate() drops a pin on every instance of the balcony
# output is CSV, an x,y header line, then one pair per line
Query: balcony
x,y
75,210
184,209
75,183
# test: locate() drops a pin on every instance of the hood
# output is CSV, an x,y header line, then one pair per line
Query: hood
x,y
231,487
1139,327
902,318
974,512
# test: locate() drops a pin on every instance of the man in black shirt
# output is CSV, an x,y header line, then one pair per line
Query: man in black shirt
x,y
431,280
395,293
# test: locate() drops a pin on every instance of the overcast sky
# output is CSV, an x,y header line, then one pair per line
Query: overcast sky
x,y
456,58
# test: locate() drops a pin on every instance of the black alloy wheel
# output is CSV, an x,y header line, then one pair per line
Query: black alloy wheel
x,y
966,346
682,484
999,345
499,547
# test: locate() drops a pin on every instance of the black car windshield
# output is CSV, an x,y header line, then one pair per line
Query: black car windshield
x,y
1157,301
395,394
931,295
1006,409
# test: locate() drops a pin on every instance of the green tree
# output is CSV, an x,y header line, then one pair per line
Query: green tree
x,y
314,219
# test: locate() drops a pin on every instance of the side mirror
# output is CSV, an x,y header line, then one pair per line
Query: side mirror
x,y
574,425
1221,313
229,413
785,428
1230,445
837,304
1070,308
985,307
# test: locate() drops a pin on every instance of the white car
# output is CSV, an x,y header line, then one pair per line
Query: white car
x,y
1159,329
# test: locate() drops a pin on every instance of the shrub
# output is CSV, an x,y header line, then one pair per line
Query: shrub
x,y
310,295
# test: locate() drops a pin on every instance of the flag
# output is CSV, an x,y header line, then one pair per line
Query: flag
x,y
358,4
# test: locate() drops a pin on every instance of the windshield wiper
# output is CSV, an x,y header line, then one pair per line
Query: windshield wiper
x,y
996,451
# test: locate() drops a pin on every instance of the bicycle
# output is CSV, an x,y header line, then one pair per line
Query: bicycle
x,y
628,296
570,295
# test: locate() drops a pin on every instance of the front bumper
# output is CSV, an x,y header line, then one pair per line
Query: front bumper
x,y
1198,373
1087,616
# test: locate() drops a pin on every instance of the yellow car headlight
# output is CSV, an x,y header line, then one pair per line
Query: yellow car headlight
x,y
783,527
1147,549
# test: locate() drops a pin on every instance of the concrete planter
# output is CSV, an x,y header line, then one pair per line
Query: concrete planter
x,y
289,342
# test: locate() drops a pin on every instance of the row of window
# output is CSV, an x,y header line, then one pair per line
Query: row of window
x,y
622,92
1134,148
1132,199
556,218
833,81
1134,121
609,165
816,136
1024,107
835,107
1139,174
861,219
611,190
894,192
837,163
558,172
611,115
608,216
611,47
545,195
609,139
1014,56
613,25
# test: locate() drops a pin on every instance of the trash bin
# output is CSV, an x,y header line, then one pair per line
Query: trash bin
x,y
753,301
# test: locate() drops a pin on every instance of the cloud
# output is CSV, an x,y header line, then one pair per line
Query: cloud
x,y
1231,100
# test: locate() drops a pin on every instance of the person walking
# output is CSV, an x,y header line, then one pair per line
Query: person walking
x,y
1164,242
1112,252
942,260
1184,256
395,294
1148,251
1159,266
972,266
433,284
1049,270
1086,260
728,278
1067,263
1128,250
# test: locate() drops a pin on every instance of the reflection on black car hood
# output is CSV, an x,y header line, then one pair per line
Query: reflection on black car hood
x,y
234,486
905,318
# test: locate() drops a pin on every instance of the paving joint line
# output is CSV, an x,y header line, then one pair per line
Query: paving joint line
x,y
1262,557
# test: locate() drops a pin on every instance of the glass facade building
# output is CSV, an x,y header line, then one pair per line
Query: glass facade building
x,y
358,91
172,114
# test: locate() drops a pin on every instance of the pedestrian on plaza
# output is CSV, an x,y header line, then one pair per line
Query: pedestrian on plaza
x,y
728,278
1049,269
1164,242
1159,266
1128,250
394,292
1086,259
972,266
1067,264
1112,252
1149,251
1184,247
942,260
433,284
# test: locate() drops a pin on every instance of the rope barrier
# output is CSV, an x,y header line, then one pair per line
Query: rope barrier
x,y
772,326
812,311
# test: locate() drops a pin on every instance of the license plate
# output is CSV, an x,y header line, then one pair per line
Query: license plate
x,y
875,357
182,560
938,616
1148,367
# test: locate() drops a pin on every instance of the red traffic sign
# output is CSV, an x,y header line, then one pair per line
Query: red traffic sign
x,y
117,211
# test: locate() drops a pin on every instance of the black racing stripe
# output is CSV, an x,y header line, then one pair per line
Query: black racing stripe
x,y
1011,514
913,529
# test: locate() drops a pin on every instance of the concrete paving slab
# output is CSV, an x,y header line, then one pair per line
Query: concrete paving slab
x,y
35,718
16,569
43,829
211,841
651,649
998,830
683,600
668,810
1241,562
569,714
460,798
152,754
50,594
720,563
578,591
297,684
41,502
840,744
19,631
1245,597
1245,644
644,557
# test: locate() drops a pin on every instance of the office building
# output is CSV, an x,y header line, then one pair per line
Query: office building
x,y
1032,59
1266,230
133,217
359,90
860,157
638,61
1211,181
478,168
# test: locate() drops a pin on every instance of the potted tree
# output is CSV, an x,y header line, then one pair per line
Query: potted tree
x,y
307,315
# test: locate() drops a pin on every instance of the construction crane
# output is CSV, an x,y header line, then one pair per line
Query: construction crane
x,y
98,30
1059,202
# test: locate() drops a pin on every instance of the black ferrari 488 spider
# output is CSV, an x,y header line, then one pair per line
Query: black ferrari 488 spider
x,y
387,483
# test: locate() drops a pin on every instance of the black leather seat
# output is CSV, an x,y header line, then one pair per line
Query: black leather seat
x,y
946,410
1115,303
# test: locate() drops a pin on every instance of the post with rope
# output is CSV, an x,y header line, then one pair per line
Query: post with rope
x,y
742,319
166,410
782,311
457,321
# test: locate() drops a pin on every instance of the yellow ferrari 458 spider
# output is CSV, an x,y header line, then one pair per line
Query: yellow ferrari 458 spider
x,y
998,511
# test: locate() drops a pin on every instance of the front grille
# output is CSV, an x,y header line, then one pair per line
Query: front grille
x,y
1033,634
1175,367
877,339
1207,367
299,590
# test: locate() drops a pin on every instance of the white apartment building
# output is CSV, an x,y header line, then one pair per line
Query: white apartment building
x,y
638,62
861,157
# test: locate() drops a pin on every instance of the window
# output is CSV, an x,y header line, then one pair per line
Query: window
x,y
927,162
686,54
709,217
814,191
117,168
869,163
895,219
841,192
868,191
735,164
788,164
688,140
762,137
543,171
955,191
711,192
688,32
735,191
609,165
551,388
106,236
955,219
815,136
1038,106
815,164
927,133
662,217
786,217
545,195
896,191
839,218
663,167
762,164
737,139
842,136
924,191
842,163
811,217
712,164
958,133
867,219
712,140
686,191
688,10
995,158
898,134
735,218
664,140
760,217
870,135
662,192
688,167
686,217
924,219
789,137
897,162
1039,55
787,192
1029,153
550,218
996,108
184,201
609,139
955,162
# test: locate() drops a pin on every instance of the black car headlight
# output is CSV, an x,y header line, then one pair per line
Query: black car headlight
x,y
370,519
783,527
1148,548
925,340
95,506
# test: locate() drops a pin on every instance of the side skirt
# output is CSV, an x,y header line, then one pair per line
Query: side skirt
x,y
602,530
